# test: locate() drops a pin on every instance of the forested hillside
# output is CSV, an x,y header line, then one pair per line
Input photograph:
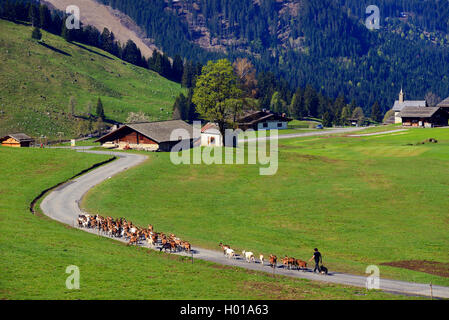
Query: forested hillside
x,y
318,42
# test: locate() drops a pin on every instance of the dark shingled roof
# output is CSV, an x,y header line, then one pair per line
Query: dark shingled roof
x,y
157,131
21,137
418,112
444,103
253,117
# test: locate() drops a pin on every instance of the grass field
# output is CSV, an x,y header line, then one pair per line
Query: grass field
x,y
296,124
35,251
361,201
81,143
37,81
376,129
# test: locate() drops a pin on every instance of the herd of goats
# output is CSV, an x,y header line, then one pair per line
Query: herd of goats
x,y
288,262
121,228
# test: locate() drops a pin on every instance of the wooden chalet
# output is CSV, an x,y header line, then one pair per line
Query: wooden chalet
x,y
402,103
17,140
262,120
148,136
427,117
444,105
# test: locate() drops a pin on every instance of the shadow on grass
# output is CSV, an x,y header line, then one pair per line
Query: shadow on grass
x,y
54,49
23,23
92,51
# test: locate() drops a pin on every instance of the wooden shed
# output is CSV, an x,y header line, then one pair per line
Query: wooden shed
x,y
17,140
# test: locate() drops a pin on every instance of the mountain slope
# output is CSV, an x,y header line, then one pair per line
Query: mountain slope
x,y
318,42
100,16
37,81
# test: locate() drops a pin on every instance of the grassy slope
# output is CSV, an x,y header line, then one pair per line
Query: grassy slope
x,y
30,71
362,201
35,251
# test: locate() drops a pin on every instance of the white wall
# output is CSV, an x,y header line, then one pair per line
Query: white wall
x,y
206,140
272,125
397,119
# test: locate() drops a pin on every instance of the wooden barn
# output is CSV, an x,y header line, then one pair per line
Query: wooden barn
x,y
263,120
444,105
427,117
17,140
148,136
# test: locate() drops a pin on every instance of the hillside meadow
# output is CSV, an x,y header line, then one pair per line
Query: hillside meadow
x,y
35,251
37,80
360,200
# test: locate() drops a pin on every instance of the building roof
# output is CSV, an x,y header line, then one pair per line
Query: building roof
x,y
253,117
211,128
418,112
21,137
157,131
398,106
444,103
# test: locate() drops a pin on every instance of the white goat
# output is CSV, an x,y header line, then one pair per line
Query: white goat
x,y
229,253
249,256
150,241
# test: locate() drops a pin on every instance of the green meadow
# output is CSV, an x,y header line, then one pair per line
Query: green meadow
x,y
360,200
35,251
38,79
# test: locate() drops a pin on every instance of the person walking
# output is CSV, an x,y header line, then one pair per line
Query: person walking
x,y
318,259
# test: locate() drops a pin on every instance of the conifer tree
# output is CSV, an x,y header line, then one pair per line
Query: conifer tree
x,y
376,113
100,109
178,68
66,33
36,34
181,108
311,102
33,15
72,105
327,119
45,17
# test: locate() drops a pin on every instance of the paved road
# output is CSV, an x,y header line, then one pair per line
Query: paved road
x,y
377,133
62,205
310,134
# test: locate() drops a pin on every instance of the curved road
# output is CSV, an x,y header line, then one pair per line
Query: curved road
x,y
62,204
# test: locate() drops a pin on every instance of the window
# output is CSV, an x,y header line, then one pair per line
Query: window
x,y
265,124
279,124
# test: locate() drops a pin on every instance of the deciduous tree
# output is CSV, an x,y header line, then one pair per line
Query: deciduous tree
x,y
217,96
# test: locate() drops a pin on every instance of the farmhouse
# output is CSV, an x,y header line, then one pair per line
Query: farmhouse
x,y
211,137
16,140
263,120
401,104
427,117
148,136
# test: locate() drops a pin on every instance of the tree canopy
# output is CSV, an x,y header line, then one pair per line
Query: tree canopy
x,y
216,95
